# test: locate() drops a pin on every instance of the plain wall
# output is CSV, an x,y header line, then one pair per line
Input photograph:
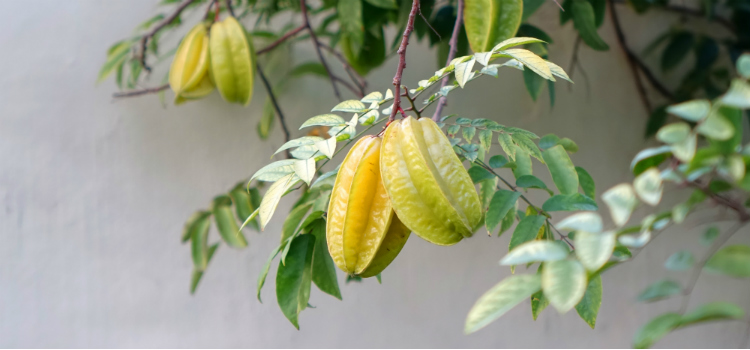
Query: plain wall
x,y
95,192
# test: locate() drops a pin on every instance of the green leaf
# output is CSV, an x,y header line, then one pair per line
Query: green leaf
x,y
530,60
293,279
655,329
710,235
527,145
197,274
353,106
374,96
463,72
487,189
305,169
679,46
743,65
293,221
274,171
585,22
266,120
733,261
199,240
716,127
501,203
649,157
534,83
562,170
564,283
693,111
534,251
685,150
350,23
479,174
569,202
506,143
548,141
452,130
273,196
313,68
488,23
738,95
621,201
323,119
116,57
585,221
508,43
386,4
508,220
523,163
586,182
323,270
226,223
660,290
485,139
538,301
648,186
715,311
673,133
529,7
500,299
680,261
526,230
531,181
264,271
594,249
588,307
497,161
187,232
468,133
302,141
242,203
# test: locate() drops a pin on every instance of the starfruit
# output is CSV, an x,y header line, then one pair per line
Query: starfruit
x,y
232,61
364,235
188,75
429,188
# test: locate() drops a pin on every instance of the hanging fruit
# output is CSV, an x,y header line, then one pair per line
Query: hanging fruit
x,y
232,60
429,188
188,76
364,234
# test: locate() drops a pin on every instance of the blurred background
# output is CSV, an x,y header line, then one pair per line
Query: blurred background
x,y
95,192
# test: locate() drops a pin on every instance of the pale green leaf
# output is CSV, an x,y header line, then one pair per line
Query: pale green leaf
x,y
302,141
226,223
648,186
673,133
585,221
655,329
305,169
685,150
374,96
327,147
594,249
621,201
716,127
694,110
273,196
464,72
738,95
660,290
733,260
558,71
680,261
500,299
564,283
323,119
353,106
562,169
531,61
534,251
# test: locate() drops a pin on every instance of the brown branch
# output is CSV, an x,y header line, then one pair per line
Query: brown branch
x,y
574,60
316,44
411,101
453,44
282,120
146,37
133,93
349,86
278,42
358,79
229,7
402,60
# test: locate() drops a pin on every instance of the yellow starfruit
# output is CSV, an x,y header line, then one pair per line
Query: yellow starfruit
x,y
429,188
364,235
232,57
188,75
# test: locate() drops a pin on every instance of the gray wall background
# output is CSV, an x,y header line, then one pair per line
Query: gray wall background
x,y
95,192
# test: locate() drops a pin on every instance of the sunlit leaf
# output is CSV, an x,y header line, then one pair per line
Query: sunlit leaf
x,y
535,251
564,283
500,299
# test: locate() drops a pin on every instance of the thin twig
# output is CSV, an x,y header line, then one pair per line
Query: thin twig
x,y
402,59
133,93
358,79
411,101
284,38
574,60
687,292
316,44
453,48
229,7
630,56
282,120
146,37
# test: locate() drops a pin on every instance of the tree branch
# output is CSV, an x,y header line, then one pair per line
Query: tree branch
x,y
411,101
284,38
229,7
358,79
133,93
316,43
402,60
453,44
146,37
282,120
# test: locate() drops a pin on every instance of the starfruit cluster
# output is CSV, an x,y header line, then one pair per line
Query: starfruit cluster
x,y
220,56
409,181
